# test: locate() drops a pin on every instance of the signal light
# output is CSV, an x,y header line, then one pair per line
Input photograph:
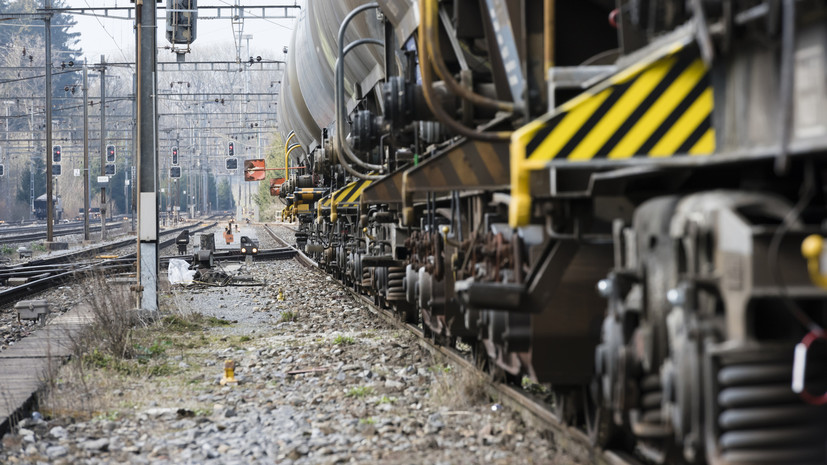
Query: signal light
x,y
232,164
230,149
2,170
109,169
110,153
175,172
175,155
56,154
56,169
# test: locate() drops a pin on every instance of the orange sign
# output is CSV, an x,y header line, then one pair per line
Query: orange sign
x,y
254,169
275,186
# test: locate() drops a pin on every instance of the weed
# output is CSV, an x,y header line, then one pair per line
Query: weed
x,y
440,368
107,416
6,249
343,340
97,359
156,349
457,388
288,315
359,392
180,324
37,246
386,400
245,339
532,387
213,321
367,421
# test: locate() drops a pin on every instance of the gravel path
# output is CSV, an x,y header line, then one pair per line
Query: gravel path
x,y
368,393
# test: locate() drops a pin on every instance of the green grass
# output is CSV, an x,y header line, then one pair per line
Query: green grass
x,y
386,400
359,392
288,315
6,249
156,349
343,340
440,368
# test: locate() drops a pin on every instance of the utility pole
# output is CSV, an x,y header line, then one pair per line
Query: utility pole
x,y
146,61
103,147
86,171
49,201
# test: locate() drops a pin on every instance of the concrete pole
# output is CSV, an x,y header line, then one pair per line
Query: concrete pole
x,y
86,171
49,201
103,146
147,155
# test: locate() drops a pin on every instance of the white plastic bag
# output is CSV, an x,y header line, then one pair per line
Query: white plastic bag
x,y
179,272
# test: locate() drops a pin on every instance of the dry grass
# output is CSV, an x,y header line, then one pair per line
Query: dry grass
x,y
457,389
121,362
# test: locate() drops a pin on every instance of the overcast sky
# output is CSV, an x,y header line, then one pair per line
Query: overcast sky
x,y
115,38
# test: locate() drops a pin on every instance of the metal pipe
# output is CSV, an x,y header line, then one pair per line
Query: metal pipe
x,y
339,96
435,54
340,106
287,156
49,200
548,34
430,98
289,137
786,84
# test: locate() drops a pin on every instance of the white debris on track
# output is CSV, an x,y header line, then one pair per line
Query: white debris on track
x,y
333,385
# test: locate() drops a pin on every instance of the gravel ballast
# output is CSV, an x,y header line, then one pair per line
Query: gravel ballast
x,y
321,380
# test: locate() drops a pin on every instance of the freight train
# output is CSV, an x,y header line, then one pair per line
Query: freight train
x,y
610,197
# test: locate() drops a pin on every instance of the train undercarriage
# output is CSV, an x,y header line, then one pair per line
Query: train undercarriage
x,y
622,222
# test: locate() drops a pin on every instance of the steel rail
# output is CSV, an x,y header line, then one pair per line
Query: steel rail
x,y
573,440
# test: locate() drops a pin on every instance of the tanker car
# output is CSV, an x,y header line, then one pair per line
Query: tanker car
x,y
609,197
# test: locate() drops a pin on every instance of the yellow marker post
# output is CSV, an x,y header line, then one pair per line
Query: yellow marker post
x,y
229,373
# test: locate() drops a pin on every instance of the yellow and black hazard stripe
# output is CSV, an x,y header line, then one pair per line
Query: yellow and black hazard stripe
x,y
351,192
659,110
309,194
659,107
348,194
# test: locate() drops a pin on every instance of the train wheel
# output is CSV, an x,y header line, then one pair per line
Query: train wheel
x,y
596,417
566,404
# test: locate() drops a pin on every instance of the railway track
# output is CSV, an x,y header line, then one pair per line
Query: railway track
x,y
43,273
34,233
573,440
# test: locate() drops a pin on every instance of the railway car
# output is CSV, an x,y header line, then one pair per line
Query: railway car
x,y
621,199
41,210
